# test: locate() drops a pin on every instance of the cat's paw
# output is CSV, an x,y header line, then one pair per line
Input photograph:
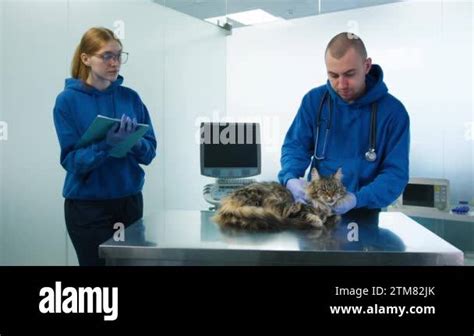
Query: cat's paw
x,y
294,210
314,221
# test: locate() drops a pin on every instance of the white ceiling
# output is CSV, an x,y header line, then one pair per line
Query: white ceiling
x,y
286,9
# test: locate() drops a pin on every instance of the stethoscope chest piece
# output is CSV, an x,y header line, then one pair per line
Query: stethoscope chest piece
x,y
370,155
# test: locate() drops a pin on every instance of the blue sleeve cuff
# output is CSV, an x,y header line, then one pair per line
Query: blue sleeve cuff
x,y
288,176
139,148
102,146
362,200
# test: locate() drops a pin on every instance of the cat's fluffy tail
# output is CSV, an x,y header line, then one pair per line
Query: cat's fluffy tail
x,y
233,216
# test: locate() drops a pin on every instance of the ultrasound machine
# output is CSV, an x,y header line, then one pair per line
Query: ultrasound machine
x,y
230,153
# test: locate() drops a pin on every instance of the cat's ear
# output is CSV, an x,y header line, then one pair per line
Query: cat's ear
x,y
338,174
314,174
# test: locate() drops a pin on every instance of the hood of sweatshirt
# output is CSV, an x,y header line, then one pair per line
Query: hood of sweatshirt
x,y
104,101
79,85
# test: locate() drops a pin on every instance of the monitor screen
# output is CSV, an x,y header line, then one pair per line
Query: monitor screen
x,y
230,150
419,195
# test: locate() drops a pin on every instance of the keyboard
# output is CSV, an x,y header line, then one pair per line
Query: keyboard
x,y
214,193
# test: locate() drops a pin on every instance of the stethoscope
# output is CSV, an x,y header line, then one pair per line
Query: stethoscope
x,y
370,155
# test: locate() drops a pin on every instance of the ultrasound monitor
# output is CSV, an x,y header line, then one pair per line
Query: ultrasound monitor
x,y
230,150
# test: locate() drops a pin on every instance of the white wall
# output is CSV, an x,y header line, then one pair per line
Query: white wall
x,y
456,107
2,236
470,128
195,77
424,48
34,66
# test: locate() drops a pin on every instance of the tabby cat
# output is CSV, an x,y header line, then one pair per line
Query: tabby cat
x,y
265,206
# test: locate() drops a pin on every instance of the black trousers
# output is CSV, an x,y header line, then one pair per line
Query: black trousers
x,y
90,223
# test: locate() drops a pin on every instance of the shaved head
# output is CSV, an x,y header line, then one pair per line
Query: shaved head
x,y
342,42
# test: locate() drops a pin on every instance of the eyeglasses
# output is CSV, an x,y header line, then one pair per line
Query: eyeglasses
x,y
108,56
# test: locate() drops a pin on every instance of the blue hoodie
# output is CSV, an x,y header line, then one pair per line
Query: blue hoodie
x,y
91,173
375,184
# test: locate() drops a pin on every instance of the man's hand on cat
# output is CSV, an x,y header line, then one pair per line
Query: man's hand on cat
x,y
297,187
348,202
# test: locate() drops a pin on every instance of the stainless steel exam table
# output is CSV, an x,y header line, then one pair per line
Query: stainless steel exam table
x,y
182,237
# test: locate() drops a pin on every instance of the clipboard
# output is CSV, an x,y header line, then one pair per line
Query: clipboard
x,y
97,131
